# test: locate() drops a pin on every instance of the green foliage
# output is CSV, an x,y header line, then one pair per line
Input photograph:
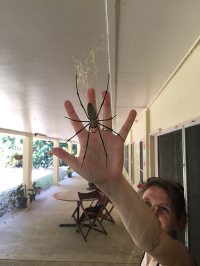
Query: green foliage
x,y
46,182
40,157
17,195
36,190
14,162
11,146
74,150
64,146
8,147
69,171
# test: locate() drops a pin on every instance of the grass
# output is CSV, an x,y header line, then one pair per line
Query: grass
x,y
44,182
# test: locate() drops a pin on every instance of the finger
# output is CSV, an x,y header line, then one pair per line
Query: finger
x,y
128,124
76,125
91,98
66,157
107,113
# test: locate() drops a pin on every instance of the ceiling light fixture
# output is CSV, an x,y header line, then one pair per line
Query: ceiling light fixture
x,y
39,135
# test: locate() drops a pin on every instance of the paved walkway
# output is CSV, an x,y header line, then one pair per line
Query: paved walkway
x,y
32,236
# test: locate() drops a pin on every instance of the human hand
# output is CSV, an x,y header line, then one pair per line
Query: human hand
x,y
94,169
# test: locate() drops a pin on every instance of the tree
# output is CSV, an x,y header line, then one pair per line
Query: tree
x,y
10,146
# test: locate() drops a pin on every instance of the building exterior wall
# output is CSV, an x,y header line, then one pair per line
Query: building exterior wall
x,y
176,104
179,101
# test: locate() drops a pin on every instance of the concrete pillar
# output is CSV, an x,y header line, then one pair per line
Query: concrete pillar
x,y
78,149
70,147
55,166
27,162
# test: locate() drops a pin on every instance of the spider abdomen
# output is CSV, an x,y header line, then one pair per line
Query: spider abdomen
x,y
91,112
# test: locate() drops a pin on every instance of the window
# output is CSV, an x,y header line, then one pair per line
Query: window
x,y
170,161
170,156
192,135
132,161
179,160
126,162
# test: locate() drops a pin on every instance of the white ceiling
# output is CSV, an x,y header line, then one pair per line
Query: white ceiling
x,y
44,44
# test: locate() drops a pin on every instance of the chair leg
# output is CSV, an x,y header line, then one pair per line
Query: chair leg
x,y
80,229
104,230
112,220
91,226
107,216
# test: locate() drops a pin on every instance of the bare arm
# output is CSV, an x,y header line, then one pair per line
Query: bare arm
x,y
144,227
138,219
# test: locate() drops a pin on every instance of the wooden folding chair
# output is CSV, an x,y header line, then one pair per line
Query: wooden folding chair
x,y
105,214
90,214
92,186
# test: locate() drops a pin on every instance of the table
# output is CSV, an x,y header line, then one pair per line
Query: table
x,y
70,196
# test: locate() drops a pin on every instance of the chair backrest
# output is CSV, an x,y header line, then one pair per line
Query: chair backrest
x,y
89,196
92,185
103,201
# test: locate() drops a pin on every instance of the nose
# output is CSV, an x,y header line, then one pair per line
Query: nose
x,y
155,210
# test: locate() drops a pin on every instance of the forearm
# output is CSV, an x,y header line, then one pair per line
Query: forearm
x,y
139,220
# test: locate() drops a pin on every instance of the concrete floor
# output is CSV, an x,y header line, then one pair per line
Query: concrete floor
x,y
32,236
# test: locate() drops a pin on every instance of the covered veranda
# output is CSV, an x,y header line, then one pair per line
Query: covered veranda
x,y
32,236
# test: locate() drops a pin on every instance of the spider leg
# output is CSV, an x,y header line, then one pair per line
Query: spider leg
x,y
103,145
86,147
77,132
104,96
75,120
110,130
80,98
106,119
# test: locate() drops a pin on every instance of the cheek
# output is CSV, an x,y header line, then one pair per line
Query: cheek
x,y
164,220
167,223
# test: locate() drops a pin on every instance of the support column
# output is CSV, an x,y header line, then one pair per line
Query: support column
x,y
70,147
78,149
56,166
27,162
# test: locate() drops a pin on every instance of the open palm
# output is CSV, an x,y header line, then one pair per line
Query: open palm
x,y
94,169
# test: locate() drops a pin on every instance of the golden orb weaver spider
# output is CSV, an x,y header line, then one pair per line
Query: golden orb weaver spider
x,y
93,122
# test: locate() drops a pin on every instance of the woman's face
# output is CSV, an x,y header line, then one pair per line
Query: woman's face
x,y
160,203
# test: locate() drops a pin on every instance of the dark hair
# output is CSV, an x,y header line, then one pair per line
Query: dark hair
x,y
176,194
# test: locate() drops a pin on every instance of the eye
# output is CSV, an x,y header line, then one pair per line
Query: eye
x,y
163,209
148,203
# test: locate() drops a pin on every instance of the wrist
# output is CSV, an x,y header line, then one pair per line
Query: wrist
x,y
112,188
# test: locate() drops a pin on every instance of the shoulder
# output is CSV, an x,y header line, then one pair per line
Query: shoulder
x,y
186,256
172,252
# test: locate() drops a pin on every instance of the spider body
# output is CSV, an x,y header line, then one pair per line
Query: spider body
x,y
93,122
92,115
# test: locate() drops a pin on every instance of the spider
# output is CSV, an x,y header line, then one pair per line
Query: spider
x,y
93,121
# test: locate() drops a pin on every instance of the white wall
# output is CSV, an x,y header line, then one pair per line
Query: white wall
x,y
177,103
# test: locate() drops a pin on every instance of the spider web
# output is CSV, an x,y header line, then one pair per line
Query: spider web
x,y
87,67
